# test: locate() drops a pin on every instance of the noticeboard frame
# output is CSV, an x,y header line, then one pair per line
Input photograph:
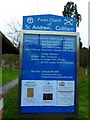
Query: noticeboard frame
x,y
49,115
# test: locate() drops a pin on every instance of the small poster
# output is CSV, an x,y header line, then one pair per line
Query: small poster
x,y
49,93
65,93
47,96
30,92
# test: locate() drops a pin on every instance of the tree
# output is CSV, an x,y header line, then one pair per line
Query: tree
x,y
14,32
70,10
84,57
80,45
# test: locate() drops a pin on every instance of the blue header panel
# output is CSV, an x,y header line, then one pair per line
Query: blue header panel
x,y
49,23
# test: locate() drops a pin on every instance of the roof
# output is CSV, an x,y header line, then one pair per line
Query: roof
x,y
7,46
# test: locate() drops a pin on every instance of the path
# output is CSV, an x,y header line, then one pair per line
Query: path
x,y
5,90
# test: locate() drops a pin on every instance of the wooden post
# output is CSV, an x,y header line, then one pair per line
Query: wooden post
x,y
1,105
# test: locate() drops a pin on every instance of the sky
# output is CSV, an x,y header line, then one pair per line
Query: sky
x,y
16,9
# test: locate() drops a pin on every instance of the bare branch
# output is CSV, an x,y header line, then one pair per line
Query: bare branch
x,y
14,29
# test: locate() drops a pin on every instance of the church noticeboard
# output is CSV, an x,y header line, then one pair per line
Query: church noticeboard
x,y
48,72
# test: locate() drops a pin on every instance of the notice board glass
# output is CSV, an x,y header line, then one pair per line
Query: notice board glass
x,y
48,73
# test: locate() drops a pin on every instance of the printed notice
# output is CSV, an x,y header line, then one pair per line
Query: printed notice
x,y
31,93
49,93
65,93
38,93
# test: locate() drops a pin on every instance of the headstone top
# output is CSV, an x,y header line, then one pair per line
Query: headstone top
x,y
49,22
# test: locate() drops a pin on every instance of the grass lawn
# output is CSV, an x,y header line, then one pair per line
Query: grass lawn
x,y
8,75
83,100
11,102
